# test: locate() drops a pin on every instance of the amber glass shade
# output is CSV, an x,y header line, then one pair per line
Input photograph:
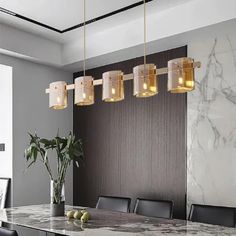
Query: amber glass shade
x,y
113,86
145,80
84,91
181,75
58,95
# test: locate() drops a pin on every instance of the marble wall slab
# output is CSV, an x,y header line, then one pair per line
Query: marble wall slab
x,y
211,122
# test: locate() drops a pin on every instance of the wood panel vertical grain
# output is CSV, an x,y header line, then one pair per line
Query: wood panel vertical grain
x,y
136,147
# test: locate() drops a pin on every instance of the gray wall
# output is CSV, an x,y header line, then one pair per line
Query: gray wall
x,y
30,113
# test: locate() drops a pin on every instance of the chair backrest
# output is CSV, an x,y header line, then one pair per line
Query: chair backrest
x,y
7,232
121,204
215,215
154,208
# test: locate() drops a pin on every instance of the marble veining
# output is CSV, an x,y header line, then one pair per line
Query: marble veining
x,y
211,161
106,223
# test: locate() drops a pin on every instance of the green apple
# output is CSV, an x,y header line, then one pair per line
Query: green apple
x,y
85,217
70,214
77,215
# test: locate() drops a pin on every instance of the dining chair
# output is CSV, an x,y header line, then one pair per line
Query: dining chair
x,y
121,204
154,208
215,215
7,232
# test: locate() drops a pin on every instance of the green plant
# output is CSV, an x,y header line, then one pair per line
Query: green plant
x,y
67,149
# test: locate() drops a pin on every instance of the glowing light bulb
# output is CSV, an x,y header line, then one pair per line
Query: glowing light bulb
x,y
145,86
153,89
58,100
113,91
189,84
181,81
84,95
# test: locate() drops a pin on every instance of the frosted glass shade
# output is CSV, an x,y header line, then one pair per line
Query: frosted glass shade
x,y
58,95
181,75
145,80
84,91
113,86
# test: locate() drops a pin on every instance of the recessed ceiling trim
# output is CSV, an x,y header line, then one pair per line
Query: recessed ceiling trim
x,y
29,20
75,26
106,15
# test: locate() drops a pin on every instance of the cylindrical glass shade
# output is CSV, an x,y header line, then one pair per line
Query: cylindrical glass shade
x,y
181,75
113,86
84,91
145,80
58,95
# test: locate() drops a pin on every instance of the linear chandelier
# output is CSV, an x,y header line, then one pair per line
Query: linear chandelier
x,y
145,79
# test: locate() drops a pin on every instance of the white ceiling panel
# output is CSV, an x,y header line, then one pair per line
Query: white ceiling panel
x,y
62,14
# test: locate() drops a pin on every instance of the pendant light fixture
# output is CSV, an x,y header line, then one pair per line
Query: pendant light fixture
x,y
181,75
58,95
84,88
145,76
113,86
145,80
84,91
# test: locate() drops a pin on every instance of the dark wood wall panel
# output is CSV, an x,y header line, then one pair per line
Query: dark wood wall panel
x,y
134,148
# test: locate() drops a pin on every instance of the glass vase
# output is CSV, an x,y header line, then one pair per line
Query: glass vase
x,y
57,193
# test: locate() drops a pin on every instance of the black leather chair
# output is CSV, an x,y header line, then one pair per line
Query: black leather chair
x,y
214,215
154,208
7,232
121,204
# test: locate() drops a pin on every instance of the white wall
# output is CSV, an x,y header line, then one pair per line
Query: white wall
x,y
6,120
30,113
212,120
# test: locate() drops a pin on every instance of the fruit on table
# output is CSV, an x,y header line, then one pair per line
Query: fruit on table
x,y
70,214
85,217
88,214
78,215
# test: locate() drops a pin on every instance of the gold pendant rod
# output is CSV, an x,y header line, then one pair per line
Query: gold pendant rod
x,y
84,28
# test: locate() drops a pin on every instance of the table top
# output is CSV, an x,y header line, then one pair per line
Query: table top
x,y
106,223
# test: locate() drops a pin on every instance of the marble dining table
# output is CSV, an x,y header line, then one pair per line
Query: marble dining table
x,y
106,223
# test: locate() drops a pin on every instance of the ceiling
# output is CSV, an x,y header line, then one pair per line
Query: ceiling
x,y
62,14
